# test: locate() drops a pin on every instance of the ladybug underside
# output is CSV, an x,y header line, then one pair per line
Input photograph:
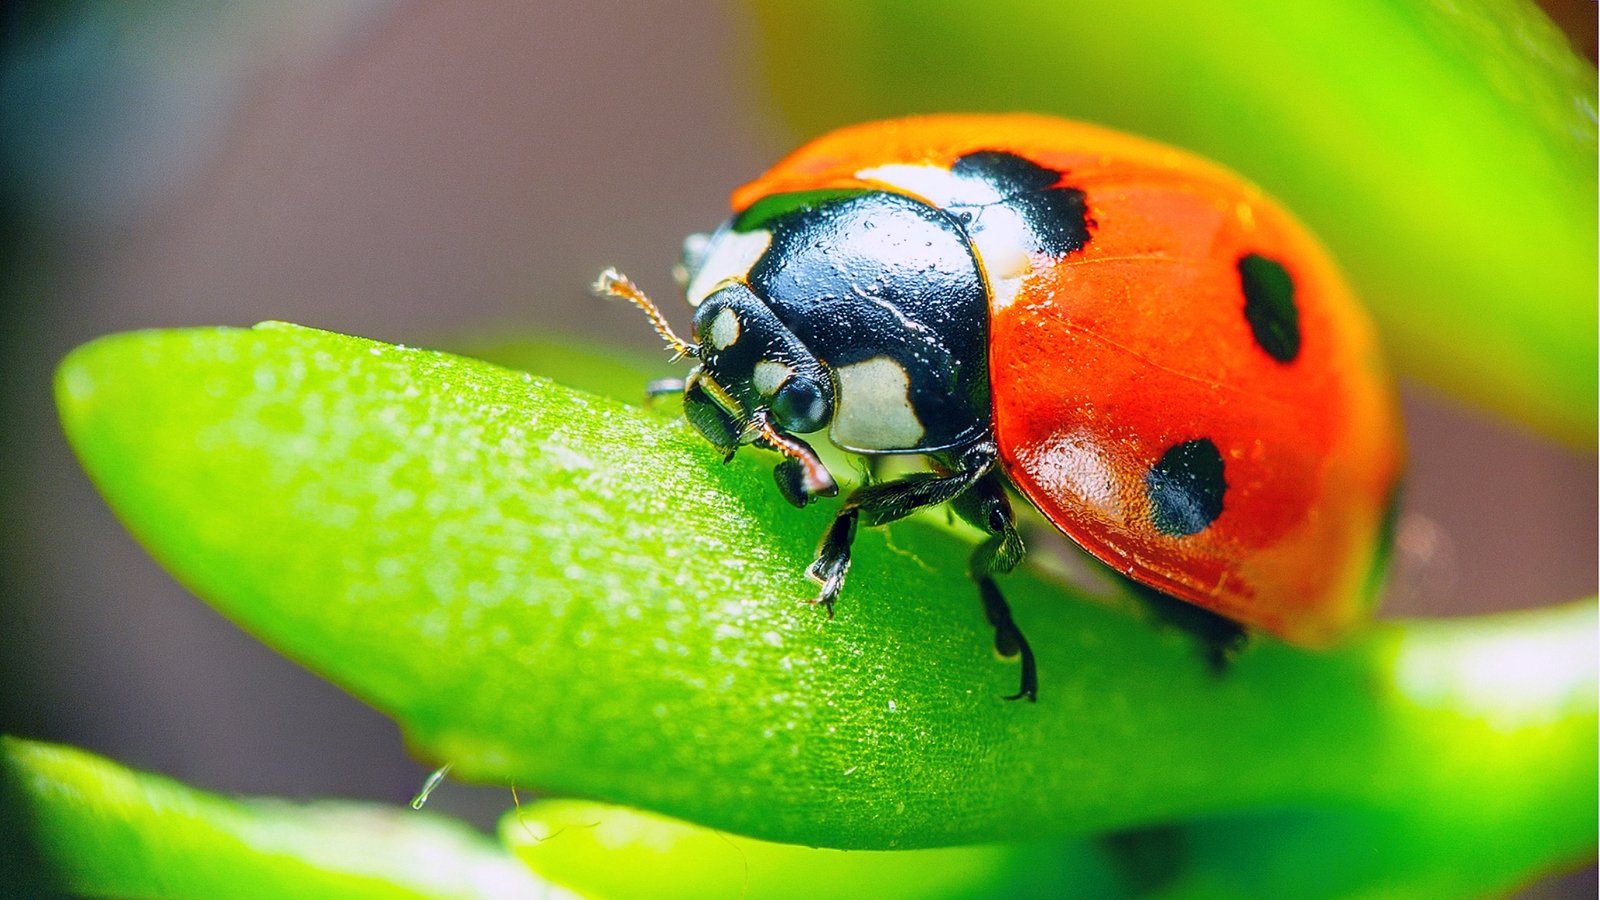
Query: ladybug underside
x,y
1156,358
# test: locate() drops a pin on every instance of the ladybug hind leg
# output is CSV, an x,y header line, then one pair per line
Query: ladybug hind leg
x,y
988,508
1218,637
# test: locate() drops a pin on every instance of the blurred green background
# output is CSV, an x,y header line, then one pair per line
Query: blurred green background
x,y
438,174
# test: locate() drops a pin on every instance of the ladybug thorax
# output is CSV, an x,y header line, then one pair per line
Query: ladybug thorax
x,y
868,305
880,289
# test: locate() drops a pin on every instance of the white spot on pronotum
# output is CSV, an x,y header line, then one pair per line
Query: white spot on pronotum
x,y
1003,243
1000,236
769,376
874,409
724,329
729,256
935,184
1003,292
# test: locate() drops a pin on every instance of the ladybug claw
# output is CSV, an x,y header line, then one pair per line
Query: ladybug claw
x,y
825,602
833,558
830,574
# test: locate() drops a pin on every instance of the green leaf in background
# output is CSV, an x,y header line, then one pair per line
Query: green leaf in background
x,y
1444,151
551,589
621,854
100,830
617,853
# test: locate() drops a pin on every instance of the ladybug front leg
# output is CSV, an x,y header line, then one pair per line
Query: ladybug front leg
x,y
885,502
833,557
987,507
801,476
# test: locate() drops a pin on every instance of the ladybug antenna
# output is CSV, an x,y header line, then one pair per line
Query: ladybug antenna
x,y
612,283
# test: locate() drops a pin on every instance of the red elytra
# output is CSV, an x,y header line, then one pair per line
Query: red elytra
x,y
1106,358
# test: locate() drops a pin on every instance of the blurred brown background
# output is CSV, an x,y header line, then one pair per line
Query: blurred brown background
x,y
415,171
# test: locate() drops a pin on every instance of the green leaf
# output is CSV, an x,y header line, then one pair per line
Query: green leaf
x,y
97,829
607,851
555,590
1444,151
620,853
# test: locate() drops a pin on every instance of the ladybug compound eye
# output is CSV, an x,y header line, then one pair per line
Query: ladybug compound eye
x,y
800,406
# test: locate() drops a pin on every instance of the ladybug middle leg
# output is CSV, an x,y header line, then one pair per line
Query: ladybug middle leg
x,y
988,508
975,489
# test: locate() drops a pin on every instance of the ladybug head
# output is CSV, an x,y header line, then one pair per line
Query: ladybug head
x,y
756,383
753,371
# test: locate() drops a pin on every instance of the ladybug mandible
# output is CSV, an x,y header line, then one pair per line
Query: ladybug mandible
x,y
1141,344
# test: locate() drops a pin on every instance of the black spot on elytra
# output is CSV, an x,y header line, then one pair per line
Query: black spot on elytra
x,y
1269,306
1009,173
1057,216
1185,488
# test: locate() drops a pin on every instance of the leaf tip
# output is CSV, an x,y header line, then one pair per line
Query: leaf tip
x,y
78,380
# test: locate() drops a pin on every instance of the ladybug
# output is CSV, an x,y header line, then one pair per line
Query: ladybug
x,y
1137,342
